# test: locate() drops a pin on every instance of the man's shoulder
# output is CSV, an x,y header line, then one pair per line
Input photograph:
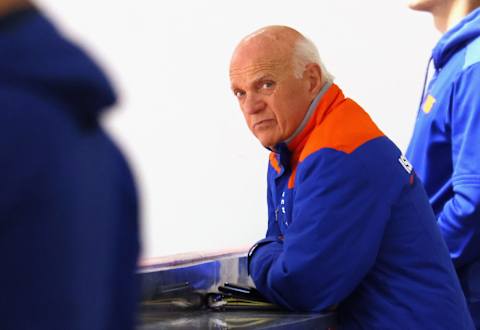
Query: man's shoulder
x,y
344,129
348,145
472,53
460,67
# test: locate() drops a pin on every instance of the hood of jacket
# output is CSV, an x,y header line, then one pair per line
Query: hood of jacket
x,y
456,38
35,56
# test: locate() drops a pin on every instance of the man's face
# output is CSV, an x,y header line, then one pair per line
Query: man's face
x,y
272,99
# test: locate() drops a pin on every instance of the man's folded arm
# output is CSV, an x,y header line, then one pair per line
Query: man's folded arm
x,y
336,230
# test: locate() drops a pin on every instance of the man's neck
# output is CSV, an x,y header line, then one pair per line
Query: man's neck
x,y
451,13
311,109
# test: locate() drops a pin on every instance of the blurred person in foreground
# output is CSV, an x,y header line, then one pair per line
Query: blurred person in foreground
x,y
349,224
68,205
445,147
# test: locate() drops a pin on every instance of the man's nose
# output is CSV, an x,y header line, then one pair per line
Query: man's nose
x,y
253,104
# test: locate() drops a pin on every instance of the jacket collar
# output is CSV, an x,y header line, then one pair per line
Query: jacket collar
x,y
289,150
456,38
310,112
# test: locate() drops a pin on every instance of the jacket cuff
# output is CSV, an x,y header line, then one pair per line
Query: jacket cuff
x,y
257,245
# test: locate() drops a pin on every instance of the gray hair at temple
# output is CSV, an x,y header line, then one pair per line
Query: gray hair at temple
x,y
306,52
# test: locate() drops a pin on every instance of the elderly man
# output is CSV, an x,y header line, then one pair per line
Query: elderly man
x,y
349,224
445,145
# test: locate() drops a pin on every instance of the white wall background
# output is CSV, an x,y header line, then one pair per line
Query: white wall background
x,y
201,174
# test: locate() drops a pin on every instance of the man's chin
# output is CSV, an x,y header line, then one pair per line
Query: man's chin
x,y
266,145
421,5
266,141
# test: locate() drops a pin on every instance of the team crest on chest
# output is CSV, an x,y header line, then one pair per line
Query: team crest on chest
x,y
428,104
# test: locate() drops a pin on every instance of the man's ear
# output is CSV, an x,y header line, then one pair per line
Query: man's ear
x,y
313,73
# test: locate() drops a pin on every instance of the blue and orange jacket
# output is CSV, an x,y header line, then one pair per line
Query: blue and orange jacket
x,y
445,148
350,226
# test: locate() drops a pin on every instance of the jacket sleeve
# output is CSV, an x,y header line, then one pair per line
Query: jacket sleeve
x,y
460,218
332,242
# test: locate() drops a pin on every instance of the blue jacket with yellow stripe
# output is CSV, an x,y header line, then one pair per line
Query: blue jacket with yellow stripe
x,y
445,149
350,225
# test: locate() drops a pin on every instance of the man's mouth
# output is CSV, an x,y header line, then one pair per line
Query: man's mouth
x,y
263,123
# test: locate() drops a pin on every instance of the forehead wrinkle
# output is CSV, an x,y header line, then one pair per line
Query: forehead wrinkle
x,y
258,68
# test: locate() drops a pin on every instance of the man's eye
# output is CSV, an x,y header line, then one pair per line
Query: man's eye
x,y
268,84
238,93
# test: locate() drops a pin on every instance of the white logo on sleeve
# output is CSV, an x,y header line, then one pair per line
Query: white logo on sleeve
x,y
406,164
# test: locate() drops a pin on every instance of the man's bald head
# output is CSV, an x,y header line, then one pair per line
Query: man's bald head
x,y
274,40
282,44
275,73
